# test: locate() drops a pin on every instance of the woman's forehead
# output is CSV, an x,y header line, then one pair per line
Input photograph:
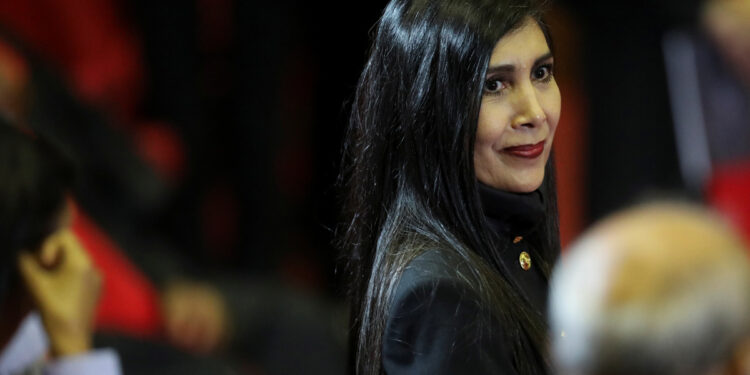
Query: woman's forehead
x,y
521,47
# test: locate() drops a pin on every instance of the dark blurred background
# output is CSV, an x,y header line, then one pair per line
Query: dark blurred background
x,y
208,133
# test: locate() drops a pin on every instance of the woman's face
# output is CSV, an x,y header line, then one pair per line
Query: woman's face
x,y
519,112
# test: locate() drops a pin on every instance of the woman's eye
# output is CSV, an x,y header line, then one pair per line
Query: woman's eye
x,y
543,73
493,86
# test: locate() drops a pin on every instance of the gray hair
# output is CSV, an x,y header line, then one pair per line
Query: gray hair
x,y
659,289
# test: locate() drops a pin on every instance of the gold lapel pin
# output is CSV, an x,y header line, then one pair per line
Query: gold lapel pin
x,y
525,260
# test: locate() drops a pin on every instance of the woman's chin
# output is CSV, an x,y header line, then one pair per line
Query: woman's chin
x,y
523,183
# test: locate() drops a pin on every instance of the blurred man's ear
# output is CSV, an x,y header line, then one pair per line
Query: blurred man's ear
x,y
738,364
740,361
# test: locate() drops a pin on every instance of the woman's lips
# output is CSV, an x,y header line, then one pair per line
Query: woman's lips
x,y
526,151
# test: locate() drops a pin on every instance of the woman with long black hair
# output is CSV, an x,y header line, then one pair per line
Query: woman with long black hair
x,y
450,204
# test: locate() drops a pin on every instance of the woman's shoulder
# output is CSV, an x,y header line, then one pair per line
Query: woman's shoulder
x,y
436,323
431,265
429,281
434,270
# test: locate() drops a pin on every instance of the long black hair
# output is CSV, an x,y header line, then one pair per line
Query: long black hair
x,y
408,174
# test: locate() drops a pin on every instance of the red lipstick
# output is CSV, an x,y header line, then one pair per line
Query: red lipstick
x,y
526,151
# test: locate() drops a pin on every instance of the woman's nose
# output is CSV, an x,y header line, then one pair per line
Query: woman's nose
x,y
529,111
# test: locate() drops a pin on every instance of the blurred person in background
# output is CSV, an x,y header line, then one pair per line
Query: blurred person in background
x,y
728,24
48,285
128,314
662,288
632,102
155,290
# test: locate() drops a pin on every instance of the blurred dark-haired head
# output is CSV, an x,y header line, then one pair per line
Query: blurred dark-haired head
x,y
35,177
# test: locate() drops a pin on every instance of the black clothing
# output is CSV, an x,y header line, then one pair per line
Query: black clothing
x,y
430,330
431,327
512,215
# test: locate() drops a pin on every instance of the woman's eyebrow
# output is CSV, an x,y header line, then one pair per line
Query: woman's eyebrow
x,y
510,68
544,57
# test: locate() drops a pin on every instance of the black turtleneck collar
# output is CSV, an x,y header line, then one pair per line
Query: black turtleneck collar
x,y
512,214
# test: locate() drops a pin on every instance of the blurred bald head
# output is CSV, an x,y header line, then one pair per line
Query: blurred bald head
x,y
658,289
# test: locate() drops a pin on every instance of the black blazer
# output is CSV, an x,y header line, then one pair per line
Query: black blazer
x,y
431,327
432,322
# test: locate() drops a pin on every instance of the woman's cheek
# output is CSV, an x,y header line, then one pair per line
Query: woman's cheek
x,y
553,105
491,123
